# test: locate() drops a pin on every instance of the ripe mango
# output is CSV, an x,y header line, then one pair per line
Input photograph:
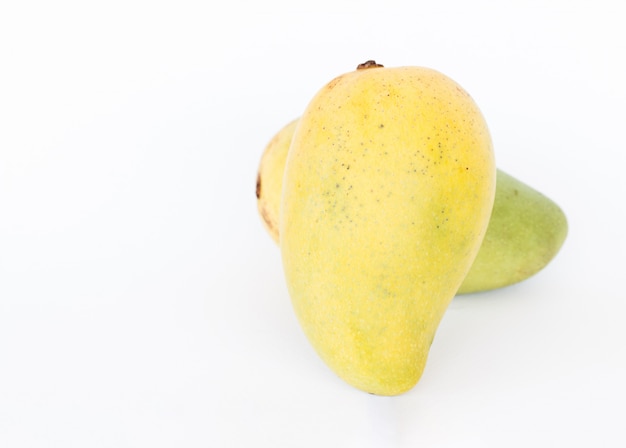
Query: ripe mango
x,y
388,188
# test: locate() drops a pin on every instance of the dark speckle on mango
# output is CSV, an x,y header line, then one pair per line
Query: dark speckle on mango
x,y
258,185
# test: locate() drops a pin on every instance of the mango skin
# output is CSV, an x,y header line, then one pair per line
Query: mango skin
x,y
387,191
526,229
525,232
269,182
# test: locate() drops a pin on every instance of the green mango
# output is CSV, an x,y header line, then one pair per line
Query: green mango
x,y
525,232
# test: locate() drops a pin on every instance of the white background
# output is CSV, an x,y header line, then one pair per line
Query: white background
x,y
142,302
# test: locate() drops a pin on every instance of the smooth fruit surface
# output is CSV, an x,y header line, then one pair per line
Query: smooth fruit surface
x,y
525,233
387,191
526,229
269,183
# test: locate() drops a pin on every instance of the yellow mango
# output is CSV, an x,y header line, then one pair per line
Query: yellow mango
x,y
387,191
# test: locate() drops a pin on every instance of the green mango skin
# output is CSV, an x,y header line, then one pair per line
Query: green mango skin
x,y
526,231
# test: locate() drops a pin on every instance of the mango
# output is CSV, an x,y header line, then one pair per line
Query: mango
x,y
387,192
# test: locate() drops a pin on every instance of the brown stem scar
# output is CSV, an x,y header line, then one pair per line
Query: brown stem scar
x,y
368,64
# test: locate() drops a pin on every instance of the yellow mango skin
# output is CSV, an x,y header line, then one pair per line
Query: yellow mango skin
x,y
526,229
387,191
269,183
